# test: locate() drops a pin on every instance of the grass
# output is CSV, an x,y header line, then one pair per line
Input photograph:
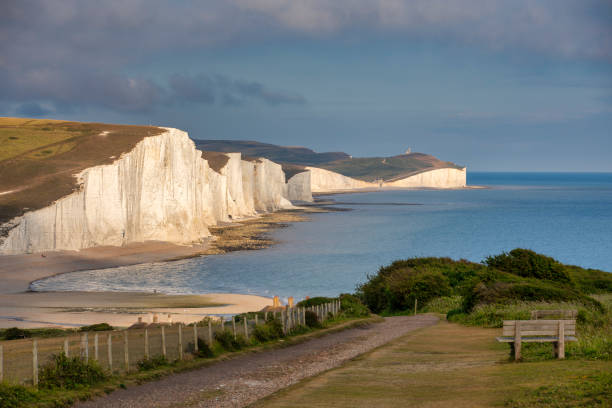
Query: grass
x,y
387,168
40,157
449,365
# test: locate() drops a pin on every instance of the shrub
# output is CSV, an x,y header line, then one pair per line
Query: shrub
x,y
351,306
204,350
151,363
15,333
529,264
70,373
226,339
97,327
15,396
312,320
396,289
271,330
315,301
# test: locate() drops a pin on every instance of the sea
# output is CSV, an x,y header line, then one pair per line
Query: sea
x,y
564,215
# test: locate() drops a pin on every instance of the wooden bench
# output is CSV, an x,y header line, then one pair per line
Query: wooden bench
x,y
558,332
554,314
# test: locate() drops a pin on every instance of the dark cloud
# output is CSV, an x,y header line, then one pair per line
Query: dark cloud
x,y
68,91
31,109
77,52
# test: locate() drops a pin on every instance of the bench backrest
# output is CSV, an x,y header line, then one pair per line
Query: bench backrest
x,y
554,314
539,327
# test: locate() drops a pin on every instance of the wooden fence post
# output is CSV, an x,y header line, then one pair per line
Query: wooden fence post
x,y
1,364
415,306
210,335
163,335
146,343
126,352
234,326
86,347
266,316
66,347
195,337
246,328
256,322
110,352
180,341
35,362
96,346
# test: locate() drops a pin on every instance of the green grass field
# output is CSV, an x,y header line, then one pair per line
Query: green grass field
x,y
450,365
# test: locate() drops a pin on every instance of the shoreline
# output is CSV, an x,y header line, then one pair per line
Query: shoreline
x,y
70,309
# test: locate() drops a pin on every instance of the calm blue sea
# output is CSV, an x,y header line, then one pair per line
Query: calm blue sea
x,y
567,216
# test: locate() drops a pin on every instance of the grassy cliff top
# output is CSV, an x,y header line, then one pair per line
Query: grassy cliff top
x,y
279,154
387,168
365,168
40,158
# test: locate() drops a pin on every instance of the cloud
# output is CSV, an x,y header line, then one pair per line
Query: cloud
x,y
32,109
66,91
79,52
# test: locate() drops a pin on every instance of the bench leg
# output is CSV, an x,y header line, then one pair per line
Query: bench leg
x,y
517,350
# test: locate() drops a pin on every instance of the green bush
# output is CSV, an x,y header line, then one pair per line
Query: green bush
x,y
395,289
151,363
529,264
97,327
271,330
312,320
15,333
70,373
16,396
315,301
227,341
351,306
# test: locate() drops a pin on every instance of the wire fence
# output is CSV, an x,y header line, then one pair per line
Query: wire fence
x,y
120,351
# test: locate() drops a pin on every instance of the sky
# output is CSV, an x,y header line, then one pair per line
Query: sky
x,y
495,85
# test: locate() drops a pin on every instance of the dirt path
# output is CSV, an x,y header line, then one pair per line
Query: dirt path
x,y
244,380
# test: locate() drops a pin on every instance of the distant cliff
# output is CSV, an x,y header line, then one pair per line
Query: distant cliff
x,y
337,171
162,189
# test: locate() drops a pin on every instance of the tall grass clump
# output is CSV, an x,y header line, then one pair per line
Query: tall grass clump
x,y
228,342
70,373
443,304
16,396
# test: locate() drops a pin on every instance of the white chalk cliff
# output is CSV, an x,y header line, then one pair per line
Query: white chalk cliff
x,y
437,178
161,190
329,181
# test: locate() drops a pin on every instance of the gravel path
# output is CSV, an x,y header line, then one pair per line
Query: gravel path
x,y
244,380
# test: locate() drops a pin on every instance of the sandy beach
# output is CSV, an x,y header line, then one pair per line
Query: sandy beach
x,y
22,308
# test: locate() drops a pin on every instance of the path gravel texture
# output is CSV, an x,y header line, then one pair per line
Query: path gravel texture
x,y
241,381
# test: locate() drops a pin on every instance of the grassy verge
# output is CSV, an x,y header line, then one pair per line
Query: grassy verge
x,y
12,396
450,365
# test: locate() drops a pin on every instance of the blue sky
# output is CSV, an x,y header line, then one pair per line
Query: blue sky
x,y
495,85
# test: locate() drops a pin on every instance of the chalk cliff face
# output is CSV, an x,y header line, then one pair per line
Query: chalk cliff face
x,y
161,190
299,187
438,178
324,180
328,181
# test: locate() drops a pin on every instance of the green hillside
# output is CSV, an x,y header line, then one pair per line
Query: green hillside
x,y
279,154
365,168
